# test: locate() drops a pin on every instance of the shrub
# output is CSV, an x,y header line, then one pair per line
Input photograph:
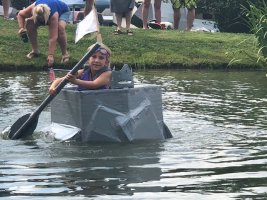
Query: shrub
x,y
19,4
227,14
257,21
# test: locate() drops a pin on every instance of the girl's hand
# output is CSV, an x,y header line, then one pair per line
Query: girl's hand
x,y
71,78
52,90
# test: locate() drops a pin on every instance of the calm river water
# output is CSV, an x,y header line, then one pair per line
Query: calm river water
x,y
219,148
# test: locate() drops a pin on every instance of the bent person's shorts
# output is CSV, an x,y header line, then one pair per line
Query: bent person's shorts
x,y
186,3
65,16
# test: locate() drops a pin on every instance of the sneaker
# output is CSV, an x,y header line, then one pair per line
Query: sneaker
x,y
9,18
154,25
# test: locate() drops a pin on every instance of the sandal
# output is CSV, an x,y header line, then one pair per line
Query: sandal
x,y
65,58
24,36
118,32
129,32
33,54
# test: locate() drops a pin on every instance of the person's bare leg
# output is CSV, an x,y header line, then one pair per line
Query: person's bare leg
x,y
145,11
119,20
157,8
32,34
6,5
62,37
176,17
190,19
88,6
128,18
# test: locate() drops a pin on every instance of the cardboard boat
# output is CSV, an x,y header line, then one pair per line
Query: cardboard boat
x,y
124,113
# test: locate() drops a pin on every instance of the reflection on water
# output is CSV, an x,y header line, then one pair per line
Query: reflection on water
x,y
219,124
78,169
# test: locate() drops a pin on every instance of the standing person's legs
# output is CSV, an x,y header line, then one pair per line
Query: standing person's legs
x,y
128,17
119,21
62,36
191,6
128,22
145,11
88,6
176,17
157,8
6,5
176,5
32,34
190,19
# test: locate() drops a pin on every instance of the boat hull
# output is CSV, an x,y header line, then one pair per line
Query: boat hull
x,y
113,115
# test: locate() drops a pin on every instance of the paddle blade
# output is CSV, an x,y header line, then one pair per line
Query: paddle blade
x,y
23,127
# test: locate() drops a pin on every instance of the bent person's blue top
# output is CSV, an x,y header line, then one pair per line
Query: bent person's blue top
x,y
55,6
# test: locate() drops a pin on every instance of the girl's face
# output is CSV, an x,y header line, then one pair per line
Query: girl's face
x,y
97,61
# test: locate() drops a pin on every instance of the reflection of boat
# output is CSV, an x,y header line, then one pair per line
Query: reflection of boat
x,y
124,113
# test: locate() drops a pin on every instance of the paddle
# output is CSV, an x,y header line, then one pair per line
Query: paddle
x,y
25,125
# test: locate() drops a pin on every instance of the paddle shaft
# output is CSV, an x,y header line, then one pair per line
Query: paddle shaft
x,y
49,98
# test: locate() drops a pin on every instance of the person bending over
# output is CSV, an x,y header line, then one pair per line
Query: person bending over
x,y
53,13
95,75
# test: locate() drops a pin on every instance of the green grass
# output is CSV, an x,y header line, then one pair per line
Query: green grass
x,y
146,49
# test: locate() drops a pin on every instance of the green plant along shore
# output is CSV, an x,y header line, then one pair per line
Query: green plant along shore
x,y
146,49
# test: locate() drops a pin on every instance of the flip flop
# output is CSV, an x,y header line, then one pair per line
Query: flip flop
x,y
65,59
33,54
24,36
155,25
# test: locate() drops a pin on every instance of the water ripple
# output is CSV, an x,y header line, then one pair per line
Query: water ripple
x,y
218,120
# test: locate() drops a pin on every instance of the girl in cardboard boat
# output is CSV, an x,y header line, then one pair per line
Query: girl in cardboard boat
x,y
96,75
93,113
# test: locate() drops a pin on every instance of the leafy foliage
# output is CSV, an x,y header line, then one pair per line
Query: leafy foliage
x,y
227,13
257,20
19,4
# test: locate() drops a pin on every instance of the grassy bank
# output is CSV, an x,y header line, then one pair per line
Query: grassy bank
x,y
146,49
